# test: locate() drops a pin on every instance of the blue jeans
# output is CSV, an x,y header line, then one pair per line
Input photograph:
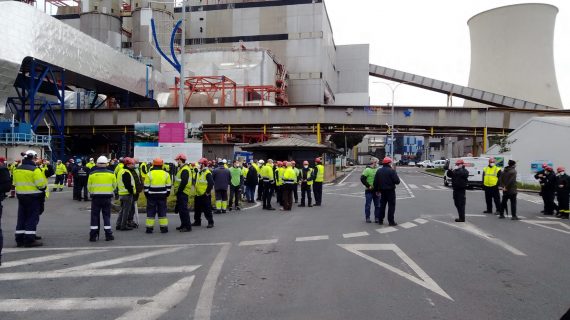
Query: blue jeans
x,y
249,193
371,197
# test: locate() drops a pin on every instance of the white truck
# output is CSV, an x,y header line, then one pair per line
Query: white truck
x,y
475,167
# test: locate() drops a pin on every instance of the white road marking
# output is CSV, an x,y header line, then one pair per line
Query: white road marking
x,y
348,175
204,305
11,250
427,186
162,302
470,228
413,186
23,305
315,238
443,187
551,218
345,194
355,234
53,257
408,225
421,221
386,230
407,188
544,224
423,279
476,215
530,198
63,273
257,204
106,263
257,242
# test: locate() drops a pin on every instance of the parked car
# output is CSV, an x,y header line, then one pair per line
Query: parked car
x,y
412,163
439,163
425,164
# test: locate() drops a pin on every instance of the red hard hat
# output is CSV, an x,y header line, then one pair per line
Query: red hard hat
x,y
459,161
544,165
280,163
2,159
386,160
180,156
203,161
156,162
548,168
560,169
128,161
318,160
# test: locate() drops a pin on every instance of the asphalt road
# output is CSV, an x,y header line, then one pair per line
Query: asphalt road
x,y
311,263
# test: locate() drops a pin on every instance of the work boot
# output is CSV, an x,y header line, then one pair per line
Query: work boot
x,y
60,189
34,243
210,225
185,229
37,237
487,211
196,224
310,206
132,224
163,229
368,221
54,190
109,237
302,205
125,228
230,208
459,220
179,227
149,230
515,218
502,216
224,211
270,208
238,208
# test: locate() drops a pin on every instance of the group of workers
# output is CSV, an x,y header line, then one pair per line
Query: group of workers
x,y
496,179
103,180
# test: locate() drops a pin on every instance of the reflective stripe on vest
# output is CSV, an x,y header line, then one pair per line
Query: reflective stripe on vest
x,y
157,182
29,179
121,185
102,183
491,178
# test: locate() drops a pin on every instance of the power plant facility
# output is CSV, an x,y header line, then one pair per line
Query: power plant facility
x,y
78,80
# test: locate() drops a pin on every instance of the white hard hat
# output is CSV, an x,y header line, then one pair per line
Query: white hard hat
x,y
102,159
224,161
90,159
31,153
261,161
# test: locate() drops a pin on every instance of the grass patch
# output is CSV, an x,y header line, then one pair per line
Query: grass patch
x,y
528,186
438,171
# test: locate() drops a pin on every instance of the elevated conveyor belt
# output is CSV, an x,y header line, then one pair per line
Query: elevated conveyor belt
x,y
467,93
27,33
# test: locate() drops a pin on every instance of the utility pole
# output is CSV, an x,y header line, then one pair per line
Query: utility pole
x,y
182,49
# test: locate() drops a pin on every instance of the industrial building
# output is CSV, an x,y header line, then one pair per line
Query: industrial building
x,y
108,54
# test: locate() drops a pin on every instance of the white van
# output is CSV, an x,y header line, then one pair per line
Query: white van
x,y
475,167
439,163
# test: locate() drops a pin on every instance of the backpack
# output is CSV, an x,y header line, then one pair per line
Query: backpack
x,y
5,180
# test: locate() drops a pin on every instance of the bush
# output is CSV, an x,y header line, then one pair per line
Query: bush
x,y
528,186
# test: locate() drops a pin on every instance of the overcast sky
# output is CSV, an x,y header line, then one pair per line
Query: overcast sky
x,y
429,38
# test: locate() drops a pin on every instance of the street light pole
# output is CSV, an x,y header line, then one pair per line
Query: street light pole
x,y
181,84
393,89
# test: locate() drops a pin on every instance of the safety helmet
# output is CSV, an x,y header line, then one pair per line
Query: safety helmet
x,y
180,156
128,161
121,159
203,161
305,163
279,163
90,159
224,161
30,154
544,165
387,160
548,168
492,160
157,162
2,159
318,160
459,161
261,162
102,160
560,169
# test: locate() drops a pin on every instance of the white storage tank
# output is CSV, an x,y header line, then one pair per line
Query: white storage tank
x,y
512,53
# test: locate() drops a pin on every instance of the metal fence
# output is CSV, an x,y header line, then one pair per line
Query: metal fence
x,y
24,138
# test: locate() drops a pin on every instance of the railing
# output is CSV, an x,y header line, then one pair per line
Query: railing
x,y
24,138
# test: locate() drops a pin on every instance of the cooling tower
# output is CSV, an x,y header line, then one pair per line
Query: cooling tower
x,y
512,53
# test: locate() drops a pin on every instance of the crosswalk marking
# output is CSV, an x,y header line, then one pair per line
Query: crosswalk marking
x,y
421,221
427,186
355,234
443,187
408,225
412,186
315,238
49,258
257,242
386,230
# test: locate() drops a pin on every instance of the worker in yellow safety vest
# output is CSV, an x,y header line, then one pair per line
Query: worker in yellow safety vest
x,y
60,175
101,185
491,175
289,180
156,189
319,178
203,198
268,177
31,183
182,189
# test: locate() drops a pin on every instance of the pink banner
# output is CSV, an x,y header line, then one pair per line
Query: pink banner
x,y
171,133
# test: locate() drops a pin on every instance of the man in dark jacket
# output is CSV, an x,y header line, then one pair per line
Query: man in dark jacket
x,y
562,192
508,183
139,187
251,180
5,186
459,178
80,174
541,177
222,178
549,191
127,189
385,182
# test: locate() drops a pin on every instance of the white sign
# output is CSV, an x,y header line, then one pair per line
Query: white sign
x,y
168,151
